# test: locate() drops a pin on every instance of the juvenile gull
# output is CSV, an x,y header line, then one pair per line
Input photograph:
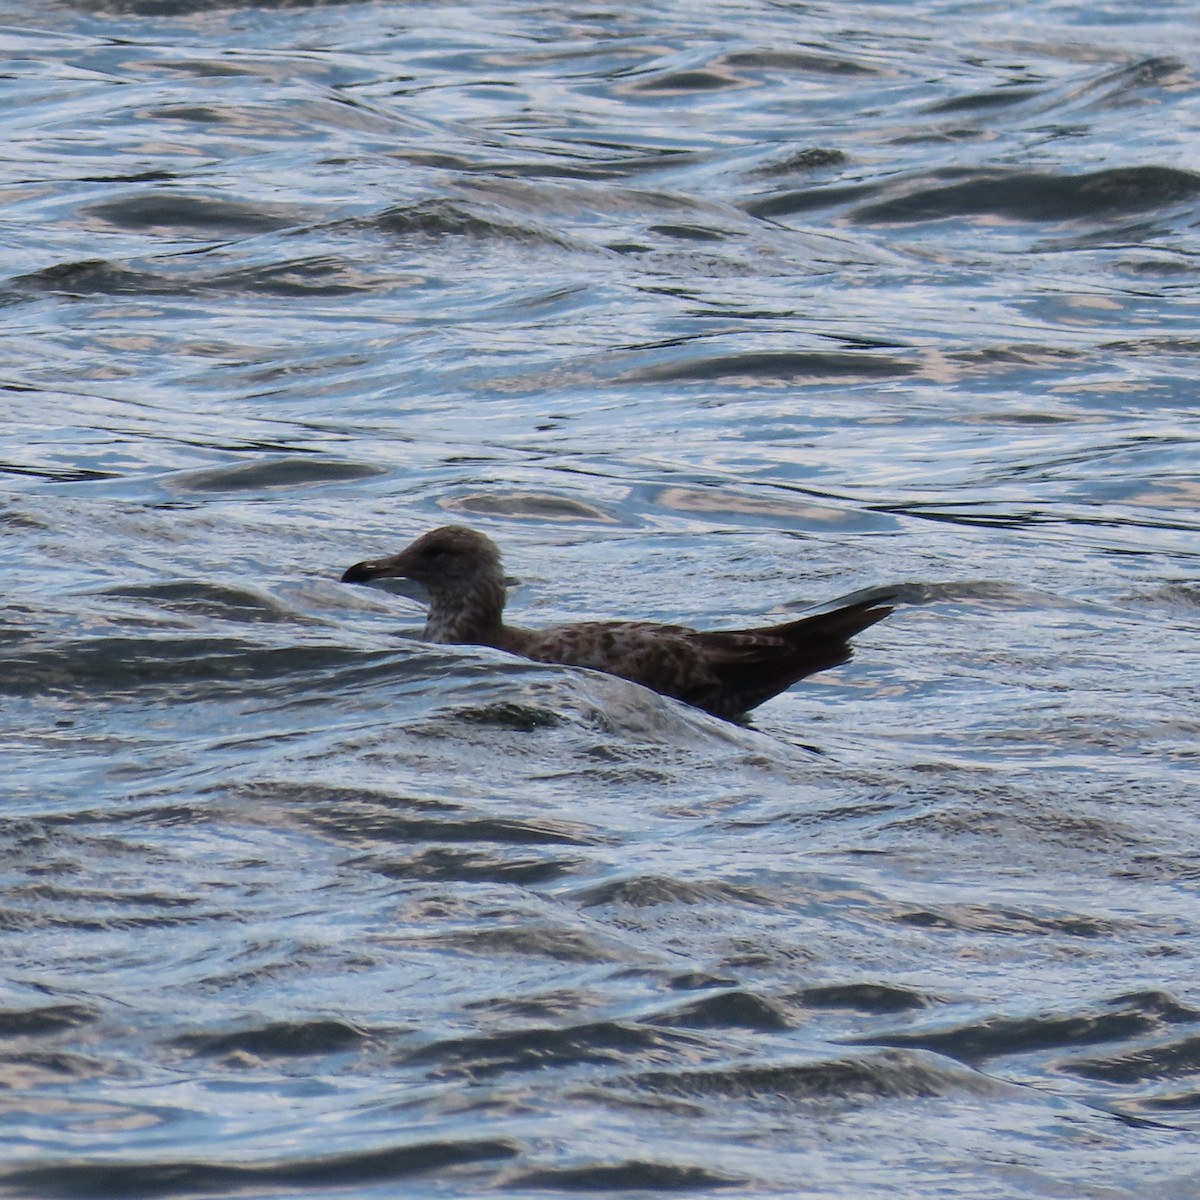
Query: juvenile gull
x,y
725,673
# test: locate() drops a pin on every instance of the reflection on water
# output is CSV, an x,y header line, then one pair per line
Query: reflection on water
x,y
708,315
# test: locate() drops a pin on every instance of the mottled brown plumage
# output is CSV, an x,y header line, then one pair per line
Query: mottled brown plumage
x,y
725,673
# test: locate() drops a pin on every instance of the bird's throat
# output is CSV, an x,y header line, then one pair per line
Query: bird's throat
x,y
474,616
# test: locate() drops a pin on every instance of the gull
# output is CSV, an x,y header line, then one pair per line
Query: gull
x,y
726,673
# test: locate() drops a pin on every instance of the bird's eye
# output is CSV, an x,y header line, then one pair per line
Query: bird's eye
x,y
432,552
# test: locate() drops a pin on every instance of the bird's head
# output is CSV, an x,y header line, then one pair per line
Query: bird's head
x,y
450,559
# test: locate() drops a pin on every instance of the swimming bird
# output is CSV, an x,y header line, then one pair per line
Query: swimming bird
x,y
724,673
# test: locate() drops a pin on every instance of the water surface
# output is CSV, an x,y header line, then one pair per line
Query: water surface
x,y
705,314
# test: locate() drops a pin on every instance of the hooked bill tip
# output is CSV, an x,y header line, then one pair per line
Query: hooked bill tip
x,y
362,572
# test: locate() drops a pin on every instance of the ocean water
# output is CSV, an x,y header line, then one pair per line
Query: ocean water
x,y
705,314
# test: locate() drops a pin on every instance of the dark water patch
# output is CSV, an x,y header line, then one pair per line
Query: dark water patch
x,y
123,666
1007,921
1018,418
694,981
815,158
532,506
151,176
1185,1101
735,1009
16,519
625,1177
1126,84
103,1178
687,233
809,199
648,891
444,218
363,803
972,514
191,8
209,215
534,939
618,166
535,1049
317,275
278,1039
1180,597
1172,868
49,1068
58,474
986,101
95,898
1121,1019
804,62
373,824
1143,1065
200,599
596,706
152,812
476,866
542,1007
46,1020
24,920
1036,196
841,1082
507,714
1100,238
863,997
999,814
1022,355
682,83
773,366
269,474
176,112
90,277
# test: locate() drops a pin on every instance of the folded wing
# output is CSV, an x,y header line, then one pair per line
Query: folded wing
x,y
726,673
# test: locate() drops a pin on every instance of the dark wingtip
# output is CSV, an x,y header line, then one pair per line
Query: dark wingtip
x,y
857,617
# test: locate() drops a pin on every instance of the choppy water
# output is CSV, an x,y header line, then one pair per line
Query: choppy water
x,y
705,313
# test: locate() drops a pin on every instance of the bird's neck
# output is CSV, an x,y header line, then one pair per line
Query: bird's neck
x,y
474,616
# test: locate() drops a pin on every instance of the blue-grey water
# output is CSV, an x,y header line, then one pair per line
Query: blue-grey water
x,y
706,313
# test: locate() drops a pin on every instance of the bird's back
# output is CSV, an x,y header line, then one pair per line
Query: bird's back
x,y
726,673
